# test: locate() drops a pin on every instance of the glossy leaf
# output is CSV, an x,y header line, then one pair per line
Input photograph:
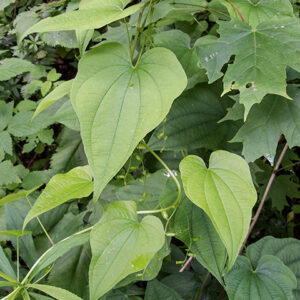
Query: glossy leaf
x,y
225,192
57,293
91,14
130,102
59,92
269,280
121,246
77,183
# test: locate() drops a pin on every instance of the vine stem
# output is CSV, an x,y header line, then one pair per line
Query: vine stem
x,y
267,190
186,264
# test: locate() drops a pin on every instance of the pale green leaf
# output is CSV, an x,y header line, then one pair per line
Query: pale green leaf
x,y
225,192
130,102
24,21
159,291
13,295
65,39
59,92
287,250
94,14
267,121
6,111
6,142
8,173
11,67
14,233
57,293
83,39
255,12
270,279
77,183
45,87
4,3
121,246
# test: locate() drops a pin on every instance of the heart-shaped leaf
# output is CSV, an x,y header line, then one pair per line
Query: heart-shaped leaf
x,y
225,192
130,101
121,246
271,279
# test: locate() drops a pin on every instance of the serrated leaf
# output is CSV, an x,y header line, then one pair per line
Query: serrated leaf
x,y
287,250
259,66
6,142
131,95
255,12
225,192
6,111
65,39
59,92
57,293
269,280
91,15
267,121
121,246
193,122
62,187
8,173
159,291
11,67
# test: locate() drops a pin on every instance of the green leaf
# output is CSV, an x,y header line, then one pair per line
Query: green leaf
x,y
58,250
193,227
23,22
8,173
77,183
6,111
225,192
65,39
45,87
91,15
137,97
121,246
255,12
59,92
4,3
260,134
11,67
53,75
83,39
287,250
14,233
57,293
6,267
269,280
259,68
18,195
192,122
6,142
159,291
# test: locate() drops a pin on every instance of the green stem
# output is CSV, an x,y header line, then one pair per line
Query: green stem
x,y
41,224
18,260
128,36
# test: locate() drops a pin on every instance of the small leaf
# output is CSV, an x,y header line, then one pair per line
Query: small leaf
x,y
6,111
14,233
6,142
137,97
18,195
91,15
225,192
45,87
121,246
59,92
57,293
269,280
62,187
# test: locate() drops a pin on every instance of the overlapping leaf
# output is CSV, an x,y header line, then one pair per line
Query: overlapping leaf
x,y
130,101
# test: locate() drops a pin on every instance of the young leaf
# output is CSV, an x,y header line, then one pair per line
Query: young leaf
x,y
159,291
225,192
57,293
121,246
62,187
270,279
260,134
259,67
62,90
130,102
91,15
287,250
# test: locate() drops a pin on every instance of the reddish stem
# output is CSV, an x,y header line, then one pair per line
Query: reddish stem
x,y
237,10
186,264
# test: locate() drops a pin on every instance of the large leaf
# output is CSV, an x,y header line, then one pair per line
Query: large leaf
x,y
193,122
287,250
267,121
91,14
130,102
225,192
255,12
270,279
62,187
57,293
192,226
259,66
121,246
159,291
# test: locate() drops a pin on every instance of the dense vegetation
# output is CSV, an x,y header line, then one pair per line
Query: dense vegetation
x,y
149,149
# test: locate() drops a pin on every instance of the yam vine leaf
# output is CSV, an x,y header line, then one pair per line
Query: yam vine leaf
x,y
121,246
130,102
225,192
267,121
91,14
262,54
